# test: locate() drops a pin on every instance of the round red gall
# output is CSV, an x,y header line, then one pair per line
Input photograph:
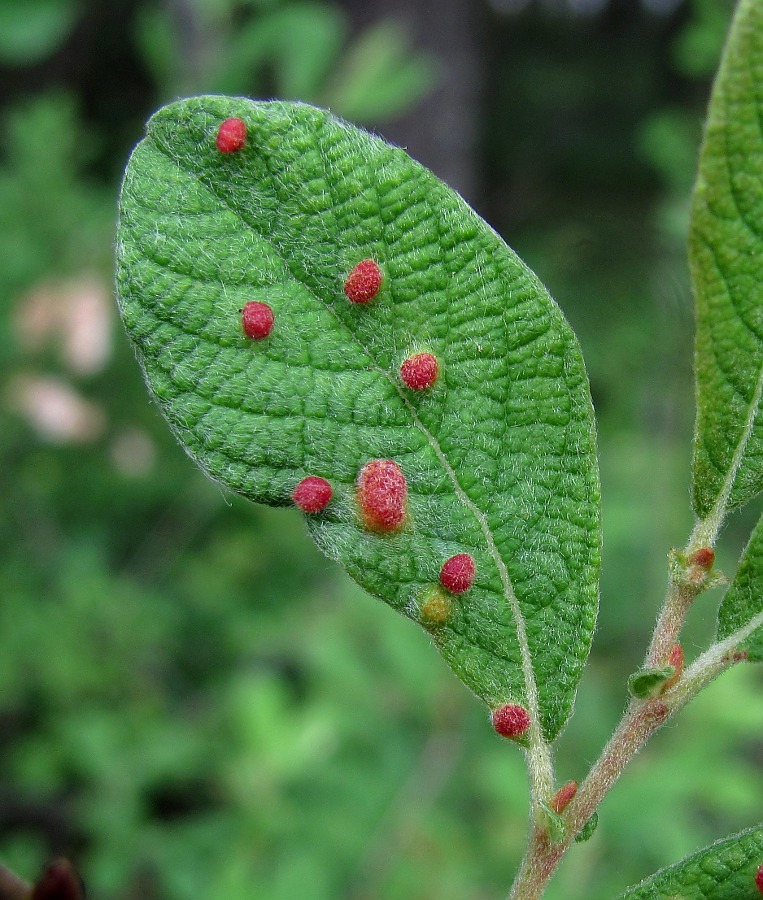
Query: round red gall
x,y
382,494
704,558
759,879
312,494
561,799
257,320
457,573
231,135
363,282
511,720
419,371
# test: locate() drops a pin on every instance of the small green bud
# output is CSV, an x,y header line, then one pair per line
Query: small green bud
x,y
588,829
647,683
555,825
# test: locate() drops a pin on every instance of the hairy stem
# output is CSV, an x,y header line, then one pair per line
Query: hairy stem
x,y
640,720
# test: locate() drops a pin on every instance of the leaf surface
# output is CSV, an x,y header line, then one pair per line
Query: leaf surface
x,y
725,870
744,599
498,455
726,256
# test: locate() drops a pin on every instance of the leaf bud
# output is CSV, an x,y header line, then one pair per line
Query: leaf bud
x,y
561,799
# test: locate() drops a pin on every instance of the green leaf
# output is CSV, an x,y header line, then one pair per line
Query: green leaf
x,y
299,41
726,255
30,30
499,455
723,871
586,832
744,599
649,682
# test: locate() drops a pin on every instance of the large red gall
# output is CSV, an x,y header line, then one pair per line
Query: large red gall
x,y
382,494
363,282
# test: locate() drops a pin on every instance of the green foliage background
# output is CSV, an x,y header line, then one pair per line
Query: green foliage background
x,y
193,702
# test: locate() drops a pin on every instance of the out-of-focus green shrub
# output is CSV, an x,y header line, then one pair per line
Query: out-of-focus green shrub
x,y
291,49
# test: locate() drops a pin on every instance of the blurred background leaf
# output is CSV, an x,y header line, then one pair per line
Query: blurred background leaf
x,y
32,29
193,701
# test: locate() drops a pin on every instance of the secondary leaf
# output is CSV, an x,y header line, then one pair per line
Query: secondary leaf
x,y
726,255
725,870
498,455
744,599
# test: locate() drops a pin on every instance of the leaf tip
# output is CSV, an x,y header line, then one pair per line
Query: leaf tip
x,y
312,494
363,282
511,720
382,494
231,135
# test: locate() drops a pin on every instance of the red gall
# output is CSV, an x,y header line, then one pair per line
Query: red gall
x,y
419,371
231,135
312,494
382,494
257,320
511,720
457,573
363,282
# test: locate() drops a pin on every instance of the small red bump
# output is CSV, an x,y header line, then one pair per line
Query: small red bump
x,y
257,320
677,660
561,799
654,713
759,879
704,558
419,371
363,282
457,573
382,494
231,135
511,720
312,494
